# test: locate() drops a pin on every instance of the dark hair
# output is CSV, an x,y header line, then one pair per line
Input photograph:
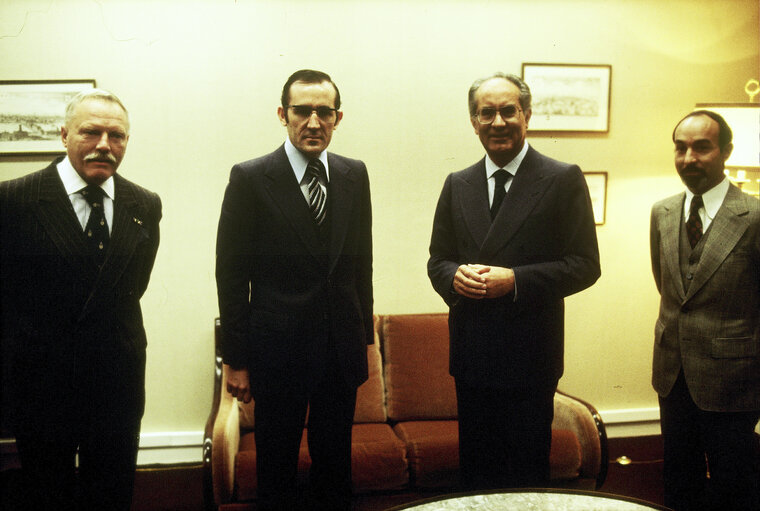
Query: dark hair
x,y
307,76
725,135
525,96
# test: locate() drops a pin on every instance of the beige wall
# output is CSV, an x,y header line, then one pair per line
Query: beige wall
x,y
202,81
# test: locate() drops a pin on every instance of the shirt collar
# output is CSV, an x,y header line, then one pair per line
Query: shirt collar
x,y
510,167
298,161
73,182
712,199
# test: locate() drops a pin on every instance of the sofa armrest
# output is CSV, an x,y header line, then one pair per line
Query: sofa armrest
x,y
221,439
584,421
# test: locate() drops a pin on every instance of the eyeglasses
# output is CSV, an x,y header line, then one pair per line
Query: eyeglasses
x,y
325,113
488,115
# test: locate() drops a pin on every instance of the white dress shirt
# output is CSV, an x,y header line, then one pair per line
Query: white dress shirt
x,y
73,183
510,167
299,162
712,199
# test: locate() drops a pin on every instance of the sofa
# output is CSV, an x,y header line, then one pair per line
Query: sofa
x,y
404,436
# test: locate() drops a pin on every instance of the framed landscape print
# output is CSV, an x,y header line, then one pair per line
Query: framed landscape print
x,y
569,97
32,113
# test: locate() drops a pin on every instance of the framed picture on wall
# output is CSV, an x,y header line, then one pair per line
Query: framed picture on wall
x,y
569,97
32,112
597,189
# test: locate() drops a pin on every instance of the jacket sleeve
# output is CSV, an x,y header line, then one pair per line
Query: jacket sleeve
x,y
576,265
232,270
443,262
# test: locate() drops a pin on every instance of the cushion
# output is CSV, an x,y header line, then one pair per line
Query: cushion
x,y
378,458
378,461
416,352
370,396
433,452
565,455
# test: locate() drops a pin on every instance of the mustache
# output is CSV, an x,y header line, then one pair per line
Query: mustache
x,y
104,157
692,167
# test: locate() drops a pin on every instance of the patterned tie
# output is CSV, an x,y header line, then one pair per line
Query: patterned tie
x,y
96,230
501,177
317,196
694,223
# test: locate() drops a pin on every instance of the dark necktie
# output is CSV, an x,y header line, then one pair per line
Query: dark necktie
x,y
317,196
501,176
96,230
694,223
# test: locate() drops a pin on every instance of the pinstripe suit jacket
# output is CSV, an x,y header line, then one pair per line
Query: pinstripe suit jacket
x,y
713,329
73,335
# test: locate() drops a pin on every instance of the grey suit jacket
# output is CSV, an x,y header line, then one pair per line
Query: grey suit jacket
x,y
713,330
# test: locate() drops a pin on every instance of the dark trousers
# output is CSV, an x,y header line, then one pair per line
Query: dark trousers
x,y
104,480
695,442
504,436
279,425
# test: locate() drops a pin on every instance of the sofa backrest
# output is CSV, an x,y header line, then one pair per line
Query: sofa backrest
x,y
370,396
415,351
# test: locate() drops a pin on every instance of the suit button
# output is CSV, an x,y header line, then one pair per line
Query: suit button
x,y
689,276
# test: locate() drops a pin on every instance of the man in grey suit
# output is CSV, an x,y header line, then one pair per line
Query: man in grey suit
x,y
294,279
705,248
513,235
78,246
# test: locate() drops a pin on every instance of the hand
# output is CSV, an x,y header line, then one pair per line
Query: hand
x,y
239,384
499,281
469,281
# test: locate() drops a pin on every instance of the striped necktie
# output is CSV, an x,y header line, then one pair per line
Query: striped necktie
x,y
317,197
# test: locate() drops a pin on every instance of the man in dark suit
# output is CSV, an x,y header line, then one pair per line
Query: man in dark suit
x,y
512,236
294,278
78,246
705,247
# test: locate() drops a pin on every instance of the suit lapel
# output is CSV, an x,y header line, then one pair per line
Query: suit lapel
x,y
473,196
726,230
341,193
128,217
524,194
670,226
286,195
56,214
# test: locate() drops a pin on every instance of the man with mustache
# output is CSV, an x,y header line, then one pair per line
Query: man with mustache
x,y
513,235
294,279
78,246
705,248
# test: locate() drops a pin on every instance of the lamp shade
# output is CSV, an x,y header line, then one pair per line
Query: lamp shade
x,y
744,120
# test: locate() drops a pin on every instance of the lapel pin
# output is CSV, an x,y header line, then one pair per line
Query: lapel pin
x,y
137,221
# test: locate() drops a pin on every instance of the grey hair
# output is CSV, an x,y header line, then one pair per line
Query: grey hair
x,y
525,96
99,94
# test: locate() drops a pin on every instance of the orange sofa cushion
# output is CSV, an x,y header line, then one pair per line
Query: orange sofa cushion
x,y
416,353
433,452
378,461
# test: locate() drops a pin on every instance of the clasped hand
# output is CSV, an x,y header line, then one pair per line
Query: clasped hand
x,y
480,281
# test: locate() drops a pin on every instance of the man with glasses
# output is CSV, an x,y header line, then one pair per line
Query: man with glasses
x,y
512,236
294,279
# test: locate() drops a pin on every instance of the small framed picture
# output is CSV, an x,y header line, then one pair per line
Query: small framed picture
x,y
32,113
569,97
597,189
